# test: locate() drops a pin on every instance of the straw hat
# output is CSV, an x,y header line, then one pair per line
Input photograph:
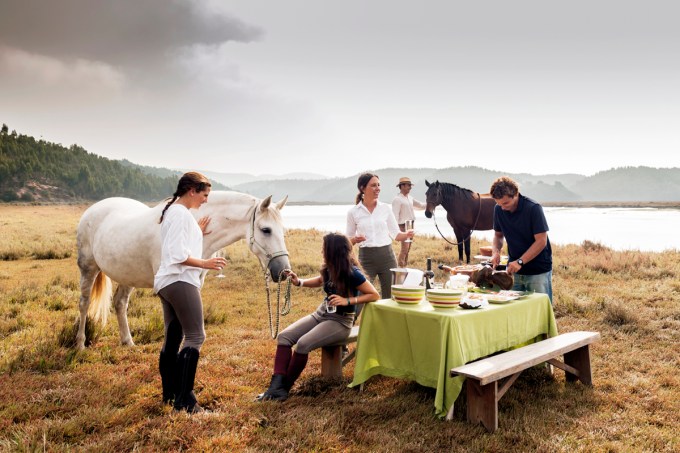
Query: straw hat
x,y
405,180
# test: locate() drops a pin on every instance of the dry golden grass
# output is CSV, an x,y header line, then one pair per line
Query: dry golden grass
x,y
107,398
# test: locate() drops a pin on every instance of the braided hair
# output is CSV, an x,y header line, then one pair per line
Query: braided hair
x,y
364,178
188,181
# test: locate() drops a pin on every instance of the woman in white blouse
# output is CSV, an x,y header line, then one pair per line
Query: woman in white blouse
x,y
371,224
177,283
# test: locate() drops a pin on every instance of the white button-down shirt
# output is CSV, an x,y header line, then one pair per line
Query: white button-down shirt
x,y
181,237
402,206
379,227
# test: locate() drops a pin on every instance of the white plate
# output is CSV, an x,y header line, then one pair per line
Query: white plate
x,y
500,299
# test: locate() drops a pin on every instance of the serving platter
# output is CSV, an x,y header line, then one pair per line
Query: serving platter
x,y
498,299
505,296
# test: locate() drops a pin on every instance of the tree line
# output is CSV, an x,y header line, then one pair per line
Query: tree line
x,y
33,169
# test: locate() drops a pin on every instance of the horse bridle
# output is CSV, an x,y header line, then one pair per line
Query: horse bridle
x,y
280,310
253,242
479,212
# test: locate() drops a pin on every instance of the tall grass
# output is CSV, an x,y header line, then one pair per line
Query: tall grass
x,y
107,397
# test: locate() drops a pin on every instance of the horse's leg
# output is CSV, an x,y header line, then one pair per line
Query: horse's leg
x,y
88,273
468,235
120,302
460,235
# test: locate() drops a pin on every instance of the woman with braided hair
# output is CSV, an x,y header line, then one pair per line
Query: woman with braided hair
x,y
178,283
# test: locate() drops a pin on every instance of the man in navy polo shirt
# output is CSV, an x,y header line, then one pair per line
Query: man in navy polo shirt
x,y
521,222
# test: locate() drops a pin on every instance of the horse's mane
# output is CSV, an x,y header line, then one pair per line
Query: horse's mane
x,y
243,198
449,189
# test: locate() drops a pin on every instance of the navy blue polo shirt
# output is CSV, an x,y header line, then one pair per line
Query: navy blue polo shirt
x,y
519,228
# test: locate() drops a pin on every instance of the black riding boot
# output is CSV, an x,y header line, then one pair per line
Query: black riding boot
x,y
167,362
166,365
277,391
186,374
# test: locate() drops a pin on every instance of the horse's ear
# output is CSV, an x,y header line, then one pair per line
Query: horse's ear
x,y
265,203
427,183
282,203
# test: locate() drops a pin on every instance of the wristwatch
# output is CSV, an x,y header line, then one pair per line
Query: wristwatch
x,y
520,262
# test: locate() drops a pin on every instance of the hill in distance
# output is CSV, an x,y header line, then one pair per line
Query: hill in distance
x,y
36,170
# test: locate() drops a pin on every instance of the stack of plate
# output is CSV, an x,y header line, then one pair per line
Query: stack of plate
x,y
408,294
445,298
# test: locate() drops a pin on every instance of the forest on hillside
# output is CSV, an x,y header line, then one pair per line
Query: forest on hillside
x,y
37,170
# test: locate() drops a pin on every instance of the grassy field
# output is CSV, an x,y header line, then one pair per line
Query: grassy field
x,y
107,398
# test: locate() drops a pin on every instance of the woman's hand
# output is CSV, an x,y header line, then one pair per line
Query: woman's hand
x,y
216,263
293,276
203,223
335,300
358,239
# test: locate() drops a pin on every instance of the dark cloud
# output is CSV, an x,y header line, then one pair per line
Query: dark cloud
x,y
115,31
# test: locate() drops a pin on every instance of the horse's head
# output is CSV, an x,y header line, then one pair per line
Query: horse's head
x,y
265,236
433,197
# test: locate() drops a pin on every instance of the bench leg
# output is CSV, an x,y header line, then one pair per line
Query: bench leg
x,y
331,362
580,360
482,404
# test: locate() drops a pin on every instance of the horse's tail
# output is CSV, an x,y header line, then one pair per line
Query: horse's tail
x,y
100,298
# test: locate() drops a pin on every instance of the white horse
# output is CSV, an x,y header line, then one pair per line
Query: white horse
x,y
119,239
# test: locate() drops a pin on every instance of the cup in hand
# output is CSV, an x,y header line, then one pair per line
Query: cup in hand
x,y
361,235
408,224
329,308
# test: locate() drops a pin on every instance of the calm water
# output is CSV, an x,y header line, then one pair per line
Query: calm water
x,y
645,229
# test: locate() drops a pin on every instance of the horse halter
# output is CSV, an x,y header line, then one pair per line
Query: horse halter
x,y
253,242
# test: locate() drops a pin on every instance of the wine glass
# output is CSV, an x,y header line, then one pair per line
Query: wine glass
x,y
408,226
360,232
220,253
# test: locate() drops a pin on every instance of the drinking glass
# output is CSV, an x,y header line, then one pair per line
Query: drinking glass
x,y
360,232
329,308
408,226
221,254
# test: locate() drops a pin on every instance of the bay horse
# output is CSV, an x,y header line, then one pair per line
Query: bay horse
x,y
119,239
466,211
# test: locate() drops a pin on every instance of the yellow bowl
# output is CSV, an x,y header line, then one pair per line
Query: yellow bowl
x,y
408,300
444,304
444,298
409,289
408,294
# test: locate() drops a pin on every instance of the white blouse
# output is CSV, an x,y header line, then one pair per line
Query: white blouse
x,y
379,227
181,237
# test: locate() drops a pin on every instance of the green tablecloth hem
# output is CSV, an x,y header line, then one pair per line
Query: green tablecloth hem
x,y
365,375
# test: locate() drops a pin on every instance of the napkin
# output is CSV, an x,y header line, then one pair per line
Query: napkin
x,y
414,277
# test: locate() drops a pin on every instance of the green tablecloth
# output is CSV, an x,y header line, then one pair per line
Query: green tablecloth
x,y
421,343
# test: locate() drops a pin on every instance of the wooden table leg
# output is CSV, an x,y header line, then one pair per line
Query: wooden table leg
x,y
579,359
482,404
331,361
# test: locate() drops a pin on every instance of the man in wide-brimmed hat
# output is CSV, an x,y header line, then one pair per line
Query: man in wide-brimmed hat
x,y
403,205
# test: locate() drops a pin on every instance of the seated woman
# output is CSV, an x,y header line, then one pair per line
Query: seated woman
x,y
343,281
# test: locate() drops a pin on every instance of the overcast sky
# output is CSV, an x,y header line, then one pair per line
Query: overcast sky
x,y
340,87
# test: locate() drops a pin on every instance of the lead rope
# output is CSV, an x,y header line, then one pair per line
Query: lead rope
x,y
479,212
280,311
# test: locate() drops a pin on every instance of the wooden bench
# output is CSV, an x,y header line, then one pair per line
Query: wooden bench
x,y
482,390
331,356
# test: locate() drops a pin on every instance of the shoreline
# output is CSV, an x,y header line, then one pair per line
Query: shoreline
x,y
547,204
